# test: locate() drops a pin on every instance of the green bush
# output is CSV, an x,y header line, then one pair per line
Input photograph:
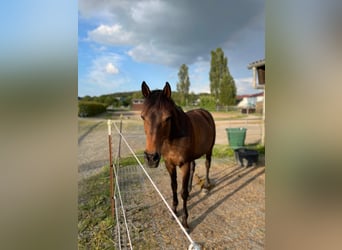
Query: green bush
x,y
208,102
86,109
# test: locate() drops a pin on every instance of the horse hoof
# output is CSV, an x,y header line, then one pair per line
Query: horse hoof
x,y
187,228
204,191
175,213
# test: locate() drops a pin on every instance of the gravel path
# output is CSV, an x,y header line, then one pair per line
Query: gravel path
x,y
92,146
230,216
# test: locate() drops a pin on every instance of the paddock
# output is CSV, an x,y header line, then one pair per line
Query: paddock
x,y
231,216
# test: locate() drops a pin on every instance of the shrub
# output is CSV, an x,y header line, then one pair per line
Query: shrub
x,y
208,102
86,109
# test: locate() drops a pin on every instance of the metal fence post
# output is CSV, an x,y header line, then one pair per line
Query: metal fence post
x,y
119,151
111,174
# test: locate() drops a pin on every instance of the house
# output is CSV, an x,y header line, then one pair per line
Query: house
x,y
137,104
259,82
258,68
250,103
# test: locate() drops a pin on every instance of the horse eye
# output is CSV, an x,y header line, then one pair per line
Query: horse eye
x,y
142,117
168,119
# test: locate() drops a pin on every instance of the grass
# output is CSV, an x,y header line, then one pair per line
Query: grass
x,y
222,151
95,223
130,160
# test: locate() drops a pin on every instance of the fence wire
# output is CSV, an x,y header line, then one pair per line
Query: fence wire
x,y
143,219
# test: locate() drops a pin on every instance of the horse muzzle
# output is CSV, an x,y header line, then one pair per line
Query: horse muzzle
x,y
152,160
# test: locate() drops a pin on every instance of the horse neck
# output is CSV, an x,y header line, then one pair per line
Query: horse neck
x,y
180,127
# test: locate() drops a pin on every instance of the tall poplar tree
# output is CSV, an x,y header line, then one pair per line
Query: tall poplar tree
x,y
184,83
222,85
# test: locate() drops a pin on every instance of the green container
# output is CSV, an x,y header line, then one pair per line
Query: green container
x,y
236,137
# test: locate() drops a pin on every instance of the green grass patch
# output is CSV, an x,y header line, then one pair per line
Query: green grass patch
x,y
130,160
222,151
95,223
260,149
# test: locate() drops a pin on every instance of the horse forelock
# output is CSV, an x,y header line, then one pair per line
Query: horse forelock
x,y
156,101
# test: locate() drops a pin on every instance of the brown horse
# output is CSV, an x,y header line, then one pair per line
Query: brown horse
x,y
177,136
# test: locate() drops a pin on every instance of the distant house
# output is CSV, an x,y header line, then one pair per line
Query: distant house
x,y
137,104
250,103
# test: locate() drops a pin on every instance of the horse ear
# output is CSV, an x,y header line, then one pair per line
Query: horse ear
x,y
167,90
145,90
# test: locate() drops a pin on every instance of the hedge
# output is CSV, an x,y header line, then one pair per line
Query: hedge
x,y
86,109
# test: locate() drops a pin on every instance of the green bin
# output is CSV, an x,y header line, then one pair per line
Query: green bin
x,y
236,137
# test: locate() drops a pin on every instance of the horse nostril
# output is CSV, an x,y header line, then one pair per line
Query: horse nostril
x,y
156,157
152,157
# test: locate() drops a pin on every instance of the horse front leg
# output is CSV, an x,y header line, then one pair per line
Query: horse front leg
x,y
192,170
185,170
173,175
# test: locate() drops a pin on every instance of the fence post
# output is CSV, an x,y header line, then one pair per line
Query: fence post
x,y
111,173
119,151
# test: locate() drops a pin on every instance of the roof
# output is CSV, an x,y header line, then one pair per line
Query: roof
x,y
252,95
258,63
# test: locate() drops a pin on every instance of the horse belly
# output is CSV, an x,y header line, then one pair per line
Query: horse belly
x,y
203,135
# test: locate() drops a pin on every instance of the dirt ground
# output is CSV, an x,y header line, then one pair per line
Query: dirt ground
x,y
230,216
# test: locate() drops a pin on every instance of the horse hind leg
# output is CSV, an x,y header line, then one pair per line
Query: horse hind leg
x,y
206,185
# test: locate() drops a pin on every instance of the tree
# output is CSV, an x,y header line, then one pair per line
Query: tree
x,y
222,85
207,102
137,95
184,84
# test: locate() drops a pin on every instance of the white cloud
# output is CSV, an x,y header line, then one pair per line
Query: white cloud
x,y
245,80
169,33
199,76
104,72
244,86
113,35
152,54
173,33
142,11
111,69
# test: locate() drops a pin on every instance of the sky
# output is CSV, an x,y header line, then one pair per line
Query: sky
x,y
123,43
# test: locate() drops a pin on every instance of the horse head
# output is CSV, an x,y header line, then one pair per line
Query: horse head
x,y
156,114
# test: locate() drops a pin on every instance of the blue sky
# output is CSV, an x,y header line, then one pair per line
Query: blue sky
x,y
122,43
